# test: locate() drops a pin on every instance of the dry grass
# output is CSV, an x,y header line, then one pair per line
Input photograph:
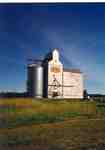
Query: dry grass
x,y
52,106
16,112
74,133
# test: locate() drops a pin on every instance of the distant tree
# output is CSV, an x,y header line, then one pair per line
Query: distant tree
x,y
85,94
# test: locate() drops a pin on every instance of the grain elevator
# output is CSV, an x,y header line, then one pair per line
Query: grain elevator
x,y
49,78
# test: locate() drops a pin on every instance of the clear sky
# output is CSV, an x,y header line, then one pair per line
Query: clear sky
x,y
32,30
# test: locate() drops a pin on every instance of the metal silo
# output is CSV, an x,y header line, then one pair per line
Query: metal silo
x,y
38,81
35,80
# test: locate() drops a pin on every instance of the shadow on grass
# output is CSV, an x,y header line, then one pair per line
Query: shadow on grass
x,y
37,119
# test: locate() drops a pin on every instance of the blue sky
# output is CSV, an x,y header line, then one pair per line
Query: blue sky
x,y
32,30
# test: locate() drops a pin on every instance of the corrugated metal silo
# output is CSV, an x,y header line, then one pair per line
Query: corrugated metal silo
x,y
35,80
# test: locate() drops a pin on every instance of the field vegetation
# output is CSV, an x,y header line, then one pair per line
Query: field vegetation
x,y
21,111
27,124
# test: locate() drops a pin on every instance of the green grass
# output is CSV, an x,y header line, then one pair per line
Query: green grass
x,y
24,112
38,118
100,108
19,112
47,125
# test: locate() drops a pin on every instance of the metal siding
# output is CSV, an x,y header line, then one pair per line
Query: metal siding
x,y
38,81
35,81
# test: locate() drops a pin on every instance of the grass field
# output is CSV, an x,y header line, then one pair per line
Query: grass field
x,y
21,111
27,124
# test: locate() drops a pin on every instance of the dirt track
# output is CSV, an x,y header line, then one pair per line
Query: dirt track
x,y
68,135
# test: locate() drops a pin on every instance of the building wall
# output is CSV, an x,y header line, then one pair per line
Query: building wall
x,y
72,85
51,82
55,71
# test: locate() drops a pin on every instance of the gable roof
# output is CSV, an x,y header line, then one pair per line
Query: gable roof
x,y
49,56
72,70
